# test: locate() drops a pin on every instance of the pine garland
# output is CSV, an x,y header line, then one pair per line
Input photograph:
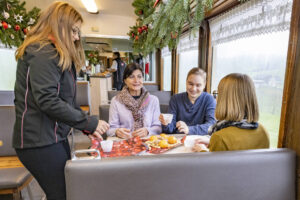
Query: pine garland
x,y
139,32
164,20
15,22
93,57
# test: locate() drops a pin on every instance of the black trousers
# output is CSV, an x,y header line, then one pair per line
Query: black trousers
x,y
47,165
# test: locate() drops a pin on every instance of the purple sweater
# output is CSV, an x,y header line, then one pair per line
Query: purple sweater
x,y
121,117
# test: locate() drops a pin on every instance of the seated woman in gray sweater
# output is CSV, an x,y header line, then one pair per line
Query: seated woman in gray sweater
x,y
194,110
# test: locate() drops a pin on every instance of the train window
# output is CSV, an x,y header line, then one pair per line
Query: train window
x,y
253,39
167,68
188,58
8,66
264,61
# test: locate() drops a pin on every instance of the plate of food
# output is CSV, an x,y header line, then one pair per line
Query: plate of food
x,y
162,143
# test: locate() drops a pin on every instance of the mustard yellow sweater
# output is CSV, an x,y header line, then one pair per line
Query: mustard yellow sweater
x,y
233,138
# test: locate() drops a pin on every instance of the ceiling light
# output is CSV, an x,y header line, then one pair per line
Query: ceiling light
x,y
90,5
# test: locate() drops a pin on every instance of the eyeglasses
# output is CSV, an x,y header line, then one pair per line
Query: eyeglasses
x,y
76,31
215,94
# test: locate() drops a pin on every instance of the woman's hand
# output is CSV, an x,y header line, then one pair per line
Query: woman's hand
x,y
201,144
142,132
102,127
200,148
202,140
182,127
162,120
123,133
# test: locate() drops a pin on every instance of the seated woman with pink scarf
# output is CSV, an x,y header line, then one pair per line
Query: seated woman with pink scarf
x,y
134,112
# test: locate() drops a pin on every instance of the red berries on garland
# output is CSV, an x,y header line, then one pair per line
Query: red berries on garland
x,y
137,37
25,31
4,25
17,27
140,30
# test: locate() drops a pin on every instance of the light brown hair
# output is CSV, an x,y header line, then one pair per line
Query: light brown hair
x,y
56,22
197,71
237,99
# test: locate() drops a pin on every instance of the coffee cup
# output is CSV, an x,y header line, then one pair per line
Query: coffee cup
x,y
106,145
167,117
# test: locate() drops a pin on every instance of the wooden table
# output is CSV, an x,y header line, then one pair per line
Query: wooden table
x,y
179,149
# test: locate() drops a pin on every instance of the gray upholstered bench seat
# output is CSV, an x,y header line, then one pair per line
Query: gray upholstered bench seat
x,y
13,177
235,175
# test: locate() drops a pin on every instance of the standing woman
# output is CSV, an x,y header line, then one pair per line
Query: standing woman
x,y
237,113
45,91
193,111
134,112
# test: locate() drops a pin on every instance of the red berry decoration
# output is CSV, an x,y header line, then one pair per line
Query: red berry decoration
x,y
132,35
145,28
25,31
4,25
17,27
140,30
141,12
137,37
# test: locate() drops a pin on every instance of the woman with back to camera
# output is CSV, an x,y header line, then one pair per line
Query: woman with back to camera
x,y
45,91
134,112
193,111
237,113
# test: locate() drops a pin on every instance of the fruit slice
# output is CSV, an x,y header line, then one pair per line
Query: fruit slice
x,y
163,144
172,140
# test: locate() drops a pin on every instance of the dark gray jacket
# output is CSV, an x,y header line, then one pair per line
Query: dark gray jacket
x,y
45,100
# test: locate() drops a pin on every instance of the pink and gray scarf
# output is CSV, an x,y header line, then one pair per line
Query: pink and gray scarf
x,y
137,107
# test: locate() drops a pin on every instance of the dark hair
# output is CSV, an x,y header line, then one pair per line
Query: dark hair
x,y
117,54
130,69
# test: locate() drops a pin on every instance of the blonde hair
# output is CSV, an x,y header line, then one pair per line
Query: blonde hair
x,y
237,99
57,21
197,71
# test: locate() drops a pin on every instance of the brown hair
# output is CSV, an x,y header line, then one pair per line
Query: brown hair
x,y
237,99
197,71
57,21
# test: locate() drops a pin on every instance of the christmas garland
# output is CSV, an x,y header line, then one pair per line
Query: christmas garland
x,y
139,32
160,22
93,57
15,22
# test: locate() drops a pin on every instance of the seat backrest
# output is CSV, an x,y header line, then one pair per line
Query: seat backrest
x,y
7,120
163,96
7,98
83,93
104,112
235,175
151,87
164,108
111,94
